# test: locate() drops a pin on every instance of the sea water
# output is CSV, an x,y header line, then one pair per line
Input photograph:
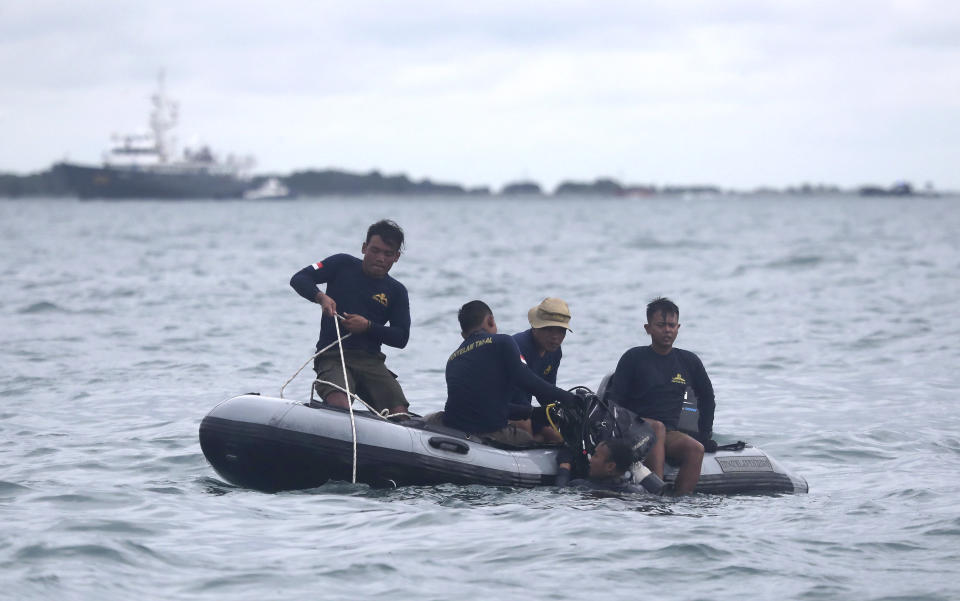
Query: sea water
x,y
829,325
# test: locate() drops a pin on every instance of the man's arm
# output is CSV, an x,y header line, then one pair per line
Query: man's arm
x,y
519,412
526,379
623,381
306,280
305,284
564,466
520,398
706,403
398,332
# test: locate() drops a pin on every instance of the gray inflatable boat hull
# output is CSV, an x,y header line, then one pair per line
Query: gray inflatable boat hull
x,y
273,444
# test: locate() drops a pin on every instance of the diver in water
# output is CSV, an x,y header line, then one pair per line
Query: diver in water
x,y
609,468
604,445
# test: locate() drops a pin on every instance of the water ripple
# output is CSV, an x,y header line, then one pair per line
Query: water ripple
x,y
86,552
41,307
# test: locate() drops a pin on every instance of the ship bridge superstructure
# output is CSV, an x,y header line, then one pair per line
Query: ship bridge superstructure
x,y
155,150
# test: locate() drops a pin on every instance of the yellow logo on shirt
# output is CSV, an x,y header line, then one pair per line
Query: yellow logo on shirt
x,y
678,379
547,371
381,298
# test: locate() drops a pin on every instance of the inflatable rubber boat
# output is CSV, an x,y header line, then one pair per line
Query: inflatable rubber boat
x,y
272,444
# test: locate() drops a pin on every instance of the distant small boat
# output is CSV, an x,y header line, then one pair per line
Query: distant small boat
x,y
145,165
899,189
271,189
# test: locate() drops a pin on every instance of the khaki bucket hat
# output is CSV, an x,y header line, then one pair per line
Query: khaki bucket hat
x,y
550,312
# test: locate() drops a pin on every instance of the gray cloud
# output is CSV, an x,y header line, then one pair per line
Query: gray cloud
x,y
738,93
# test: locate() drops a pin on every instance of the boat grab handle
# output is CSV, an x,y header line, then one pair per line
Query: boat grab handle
x,y
449,444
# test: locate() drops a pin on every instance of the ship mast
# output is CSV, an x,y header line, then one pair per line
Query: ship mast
x,y
163,118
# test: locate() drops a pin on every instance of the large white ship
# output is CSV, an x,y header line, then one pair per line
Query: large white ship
x,y
147,165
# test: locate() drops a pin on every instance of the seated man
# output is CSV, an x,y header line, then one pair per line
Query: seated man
x,y
369,299
653,380
481,375
540,349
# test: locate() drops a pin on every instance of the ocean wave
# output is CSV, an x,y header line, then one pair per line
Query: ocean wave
x,y
11,488
41,307
37,552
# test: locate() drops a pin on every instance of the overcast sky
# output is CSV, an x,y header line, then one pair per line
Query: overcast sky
x,y
740,94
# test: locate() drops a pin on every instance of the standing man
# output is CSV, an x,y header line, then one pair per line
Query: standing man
x,y
481,375
369,299
652,381
540,350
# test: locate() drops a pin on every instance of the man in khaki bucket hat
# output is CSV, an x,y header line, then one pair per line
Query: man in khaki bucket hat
x,y
540,349
551,312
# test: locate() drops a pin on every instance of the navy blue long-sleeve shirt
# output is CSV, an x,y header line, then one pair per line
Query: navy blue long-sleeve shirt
x,y
381,300
481,375
652,385
545,367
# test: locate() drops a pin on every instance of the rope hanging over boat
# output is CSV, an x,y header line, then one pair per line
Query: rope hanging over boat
x,y
315,355
345,389
346,385
382,414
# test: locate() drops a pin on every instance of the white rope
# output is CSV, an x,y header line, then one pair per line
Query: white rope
x,y
315,355
350,396
383,414
346,385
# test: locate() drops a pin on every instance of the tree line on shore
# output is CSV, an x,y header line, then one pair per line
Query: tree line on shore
x,y
329,182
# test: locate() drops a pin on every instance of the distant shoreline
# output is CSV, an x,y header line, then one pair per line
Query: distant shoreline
x,y
333,182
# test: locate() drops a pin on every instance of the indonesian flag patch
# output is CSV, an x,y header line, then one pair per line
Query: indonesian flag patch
x,y
318,265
